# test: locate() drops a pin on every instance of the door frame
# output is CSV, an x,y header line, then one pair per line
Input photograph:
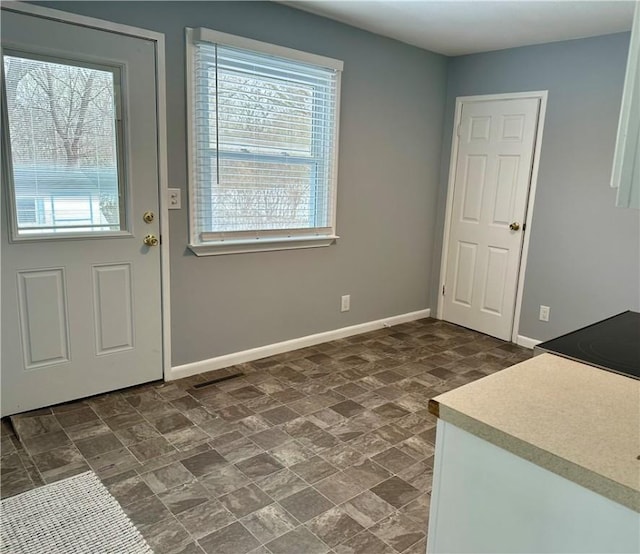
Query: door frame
x,y
541,95
161,122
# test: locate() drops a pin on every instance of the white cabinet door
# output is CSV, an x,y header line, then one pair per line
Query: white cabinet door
x,y
626,164
81,302
488,500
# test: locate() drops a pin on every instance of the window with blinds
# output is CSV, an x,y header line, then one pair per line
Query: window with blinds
x,y
263,142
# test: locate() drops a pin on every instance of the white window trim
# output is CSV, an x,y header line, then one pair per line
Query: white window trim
x,y
284,239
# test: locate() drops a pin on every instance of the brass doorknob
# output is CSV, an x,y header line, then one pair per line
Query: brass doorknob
x,y
151,240
515,226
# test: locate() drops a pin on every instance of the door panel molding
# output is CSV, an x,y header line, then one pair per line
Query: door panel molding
x,y
463,290
542,96
492,297
44,317
158,41
472,200
113,308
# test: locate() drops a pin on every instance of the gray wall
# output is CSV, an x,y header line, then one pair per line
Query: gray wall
x,y
393,99
584,254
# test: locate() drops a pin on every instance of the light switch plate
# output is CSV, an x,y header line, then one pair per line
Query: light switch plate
x,y
175,199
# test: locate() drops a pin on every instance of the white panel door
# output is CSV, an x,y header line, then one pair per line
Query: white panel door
x,y
81,302
492,178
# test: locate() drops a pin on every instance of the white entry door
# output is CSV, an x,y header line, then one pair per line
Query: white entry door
x,y
488,208
81,301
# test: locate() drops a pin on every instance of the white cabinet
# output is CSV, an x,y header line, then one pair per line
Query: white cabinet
x,y
626,165
487,500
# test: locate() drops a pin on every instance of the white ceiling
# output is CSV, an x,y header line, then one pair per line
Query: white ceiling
x,y
455,27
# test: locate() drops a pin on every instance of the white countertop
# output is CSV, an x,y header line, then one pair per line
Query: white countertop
x,y
575,420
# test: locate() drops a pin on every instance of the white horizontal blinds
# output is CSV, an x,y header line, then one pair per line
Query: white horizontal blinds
x,y
264,132
63,137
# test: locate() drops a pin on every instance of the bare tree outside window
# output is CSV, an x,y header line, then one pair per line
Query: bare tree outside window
x,y
63,143
264,131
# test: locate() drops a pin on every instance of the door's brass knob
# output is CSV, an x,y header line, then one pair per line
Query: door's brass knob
x,y
515,226
148,217
151,240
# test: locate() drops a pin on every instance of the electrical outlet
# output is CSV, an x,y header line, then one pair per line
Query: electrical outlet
x,y
544,313
175,200
345,303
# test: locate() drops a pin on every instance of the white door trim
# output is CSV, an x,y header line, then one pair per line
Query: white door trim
x,y
460,100
161,112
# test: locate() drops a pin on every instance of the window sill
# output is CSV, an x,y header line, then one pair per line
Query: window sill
x,y
219,248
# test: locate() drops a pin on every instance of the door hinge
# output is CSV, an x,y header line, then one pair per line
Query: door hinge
x,y
442,290
459,130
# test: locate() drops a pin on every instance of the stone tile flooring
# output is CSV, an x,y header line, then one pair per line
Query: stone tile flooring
x,y
327,449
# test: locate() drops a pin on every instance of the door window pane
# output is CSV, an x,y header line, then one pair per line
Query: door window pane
x,y
64,138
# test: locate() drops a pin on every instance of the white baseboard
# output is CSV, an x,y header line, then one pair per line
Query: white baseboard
x,y
527,342
186,370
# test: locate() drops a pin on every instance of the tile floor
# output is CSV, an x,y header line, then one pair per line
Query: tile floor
x,y
323,450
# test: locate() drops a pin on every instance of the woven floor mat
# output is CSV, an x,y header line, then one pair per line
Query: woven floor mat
x,y
73,516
